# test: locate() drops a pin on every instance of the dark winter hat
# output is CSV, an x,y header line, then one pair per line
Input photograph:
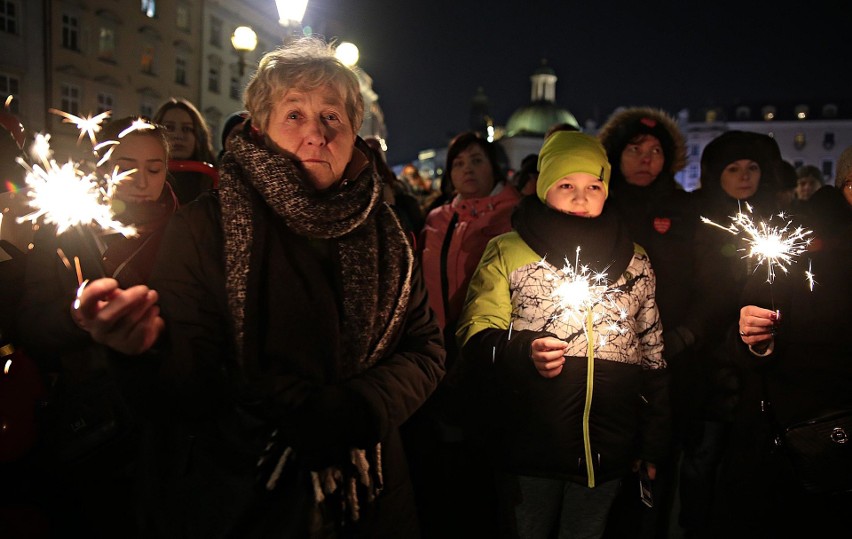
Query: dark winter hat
x,y
627,124
566,152
729,147
786,175
232,121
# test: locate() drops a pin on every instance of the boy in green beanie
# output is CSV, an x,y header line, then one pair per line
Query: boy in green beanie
x,y
579,382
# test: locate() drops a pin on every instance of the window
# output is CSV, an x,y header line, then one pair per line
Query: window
x,y
70,98
10,86
827,168
182,17
213,79
149,8
106,43
70,32
105,102
216,32
8,17
180,70
235,88
147,61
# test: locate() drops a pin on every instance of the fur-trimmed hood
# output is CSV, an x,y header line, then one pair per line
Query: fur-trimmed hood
x,y
625,124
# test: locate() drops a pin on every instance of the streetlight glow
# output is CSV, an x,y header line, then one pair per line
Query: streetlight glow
x,y
291,12
347,53
244,40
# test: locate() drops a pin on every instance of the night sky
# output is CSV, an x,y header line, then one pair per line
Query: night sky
x,y
428,58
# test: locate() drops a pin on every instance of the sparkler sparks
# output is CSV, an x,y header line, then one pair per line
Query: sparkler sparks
x,y
138,125
777,247
87,126
810,277
66,195
578,291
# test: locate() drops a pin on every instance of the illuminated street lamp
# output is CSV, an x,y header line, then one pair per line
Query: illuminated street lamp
x,y
347,53
244,40
290,15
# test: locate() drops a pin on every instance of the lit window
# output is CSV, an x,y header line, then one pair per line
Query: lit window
x,y
70,32
106,43
10,86
213,79
147,62
105,102
216,32
802,112
69,95
149,8
180,70
768,113
182,17
8,16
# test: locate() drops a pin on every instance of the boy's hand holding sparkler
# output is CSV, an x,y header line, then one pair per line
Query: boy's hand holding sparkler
x,y
757,328
547,354
127,321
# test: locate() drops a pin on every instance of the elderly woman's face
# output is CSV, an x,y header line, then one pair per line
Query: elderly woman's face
x,y
314,127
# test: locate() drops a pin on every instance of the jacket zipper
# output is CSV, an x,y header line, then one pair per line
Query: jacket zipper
x,y
590,376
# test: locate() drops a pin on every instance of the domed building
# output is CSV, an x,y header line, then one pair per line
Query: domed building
x,y
526,127
542,112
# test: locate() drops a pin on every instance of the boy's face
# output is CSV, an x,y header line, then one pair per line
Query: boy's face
x,y
578,193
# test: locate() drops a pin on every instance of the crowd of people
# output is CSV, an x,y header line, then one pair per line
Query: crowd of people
x,y
297,343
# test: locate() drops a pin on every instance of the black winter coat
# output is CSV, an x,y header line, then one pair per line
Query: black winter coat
x,y
219,419
808,374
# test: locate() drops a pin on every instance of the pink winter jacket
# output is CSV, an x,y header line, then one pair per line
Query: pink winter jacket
x,y
479,220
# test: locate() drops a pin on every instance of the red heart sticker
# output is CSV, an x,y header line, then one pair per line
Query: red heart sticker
x,y
662,224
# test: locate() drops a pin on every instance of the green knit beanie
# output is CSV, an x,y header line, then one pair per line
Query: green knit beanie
x,y
566,152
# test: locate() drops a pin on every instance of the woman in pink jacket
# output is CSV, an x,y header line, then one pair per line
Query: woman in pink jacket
x,y
456,233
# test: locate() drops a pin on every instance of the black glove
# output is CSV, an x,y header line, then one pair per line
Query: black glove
x,y
330,422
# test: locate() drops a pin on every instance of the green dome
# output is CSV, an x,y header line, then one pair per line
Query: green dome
x,y
536,118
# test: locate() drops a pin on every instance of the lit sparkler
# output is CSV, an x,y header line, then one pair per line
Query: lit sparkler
x,y
578,291
67,196
777,247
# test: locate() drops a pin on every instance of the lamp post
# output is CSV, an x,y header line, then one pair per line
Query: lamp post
x,y
244,40
290,15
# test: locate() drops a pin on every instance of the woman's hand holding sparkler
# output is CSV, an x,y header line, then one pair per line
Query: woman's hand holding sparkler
x,y
547,354
757,328
127,321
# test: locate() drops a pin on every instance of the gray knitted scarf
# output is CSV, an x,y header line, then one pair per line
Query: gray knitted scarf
x,y
376,265
376,260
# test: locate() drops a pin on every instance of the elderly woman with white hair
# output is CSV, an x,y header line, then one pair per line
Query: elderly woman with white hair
x,y
297,337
